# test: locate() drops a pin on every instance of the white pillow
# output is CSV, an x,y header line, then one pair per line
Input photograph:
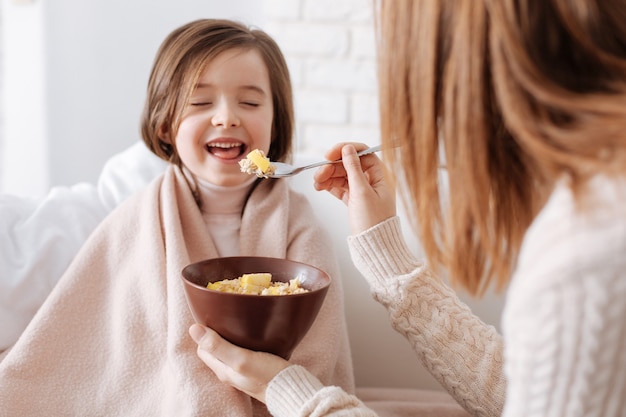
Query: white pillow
x,y
39,237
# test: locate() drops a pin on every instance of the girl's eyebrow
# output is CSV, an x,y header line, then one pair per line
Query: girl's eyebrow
x,y
250,87
254,88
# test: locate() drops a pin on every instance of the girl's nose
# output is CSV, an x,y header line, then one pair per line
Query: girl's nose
x,y
225,116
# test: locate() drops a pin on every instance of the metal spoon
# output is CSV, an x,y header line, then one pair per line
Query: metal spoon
x,y
287,170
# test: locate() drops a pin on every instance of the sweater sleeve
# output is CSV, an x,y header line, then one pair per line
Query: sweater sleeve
x,y
463,353
296,392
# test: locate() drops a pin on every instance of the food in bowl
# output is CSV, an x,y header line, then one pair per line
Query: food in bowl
x,y
258,284
257,163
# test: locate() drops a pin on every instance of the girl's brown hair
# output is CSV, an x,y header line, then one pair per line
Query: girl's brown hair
x,y
511,95
179,63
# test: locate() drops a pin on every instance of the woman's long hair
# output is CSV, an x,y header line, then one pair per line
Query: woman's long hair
x,y
511,95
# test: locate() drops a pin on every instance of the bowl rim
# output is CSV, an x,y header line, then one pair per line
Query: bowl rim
x,y
208,290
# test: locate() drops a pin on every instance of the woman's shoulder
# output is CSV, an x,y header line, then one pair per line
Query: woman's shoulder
x,y
570,235
598,209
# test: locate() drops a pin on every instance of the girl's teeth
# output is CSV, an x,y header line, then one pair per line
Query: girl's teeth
x,y
225,150
224,145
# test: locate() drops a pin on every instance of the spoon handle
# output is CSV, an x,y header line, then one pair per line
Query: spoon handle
x,y
367,151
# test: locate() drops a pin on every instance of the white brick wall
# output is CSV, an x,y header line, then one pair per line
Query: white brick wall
x,y
329,46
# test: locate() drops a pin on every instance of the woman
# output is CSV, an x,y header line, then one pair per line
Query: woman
x,y
525,104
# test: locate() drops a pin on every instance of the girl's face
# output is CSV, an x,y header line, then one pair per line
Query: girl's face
x,y
229,114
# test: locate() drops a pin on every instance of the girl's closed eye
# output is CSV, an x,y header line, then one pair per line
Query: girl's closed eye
x,y
252,96
202,96
200,102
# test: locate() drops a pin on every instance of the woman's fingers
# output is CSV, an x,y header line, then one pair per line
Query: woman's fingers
x,y
246,370
335,152
353,169
361,183
216,353
213,344
333,177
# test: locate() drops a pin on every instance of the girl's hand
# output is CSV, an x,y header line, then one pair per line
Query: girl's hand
x,y
360,183
246,370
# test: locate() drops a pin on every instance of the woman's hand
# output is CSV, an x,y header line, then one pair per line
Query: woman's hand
x,y
360,183
246,370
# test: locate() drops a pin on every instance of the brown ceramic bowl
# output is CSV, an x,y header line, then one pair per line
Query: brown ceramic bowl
x,y
268,323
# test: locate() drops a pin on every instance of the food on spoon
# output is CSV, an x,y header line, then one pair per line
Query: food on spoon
x,y
257,163
258,284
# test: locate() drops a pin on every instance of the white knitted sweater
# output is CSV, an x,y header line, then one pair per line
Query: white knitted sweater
x,y
563,350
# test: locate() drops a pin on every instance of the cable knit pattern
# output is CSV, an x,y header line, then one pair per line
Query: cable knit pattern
x,y
565,320
461,352
310,398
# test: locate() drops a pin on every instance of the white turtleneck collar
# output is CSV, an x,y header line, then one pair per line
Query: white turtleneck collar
x,y
222,208
219,199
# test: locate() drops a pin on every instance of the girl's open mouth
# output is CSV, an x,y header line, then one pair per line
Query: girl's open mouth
x,y
226,150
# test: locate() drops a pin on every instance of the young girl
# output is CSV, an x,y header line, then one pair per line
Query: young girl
x,y
112,338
